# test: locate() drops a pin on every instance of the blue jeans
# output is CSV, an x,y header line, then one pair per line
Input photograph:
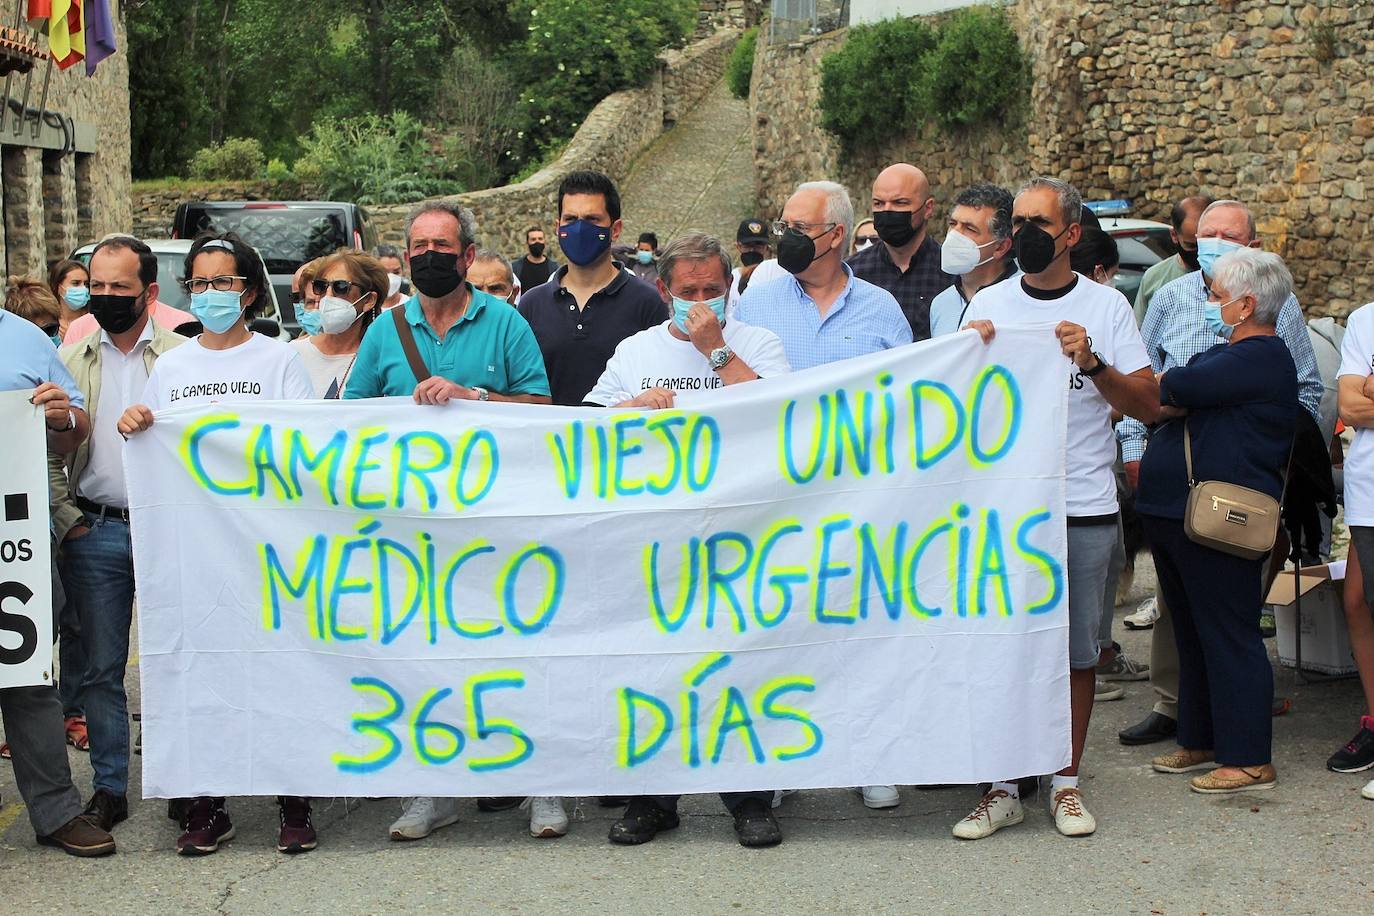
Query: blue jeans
x,y
71,654
98,575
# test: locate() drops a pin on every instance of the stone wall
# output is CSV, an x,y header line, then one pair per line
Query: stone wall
x,y
620,127
728,14
1261,100
57,198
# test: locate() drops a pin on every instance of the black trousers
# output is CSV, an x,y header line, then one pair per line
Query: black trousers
x,y
1225,683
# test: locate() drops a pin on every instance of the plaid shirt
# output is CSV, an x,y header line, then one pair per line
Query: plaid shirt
x,y
914,289
1175,332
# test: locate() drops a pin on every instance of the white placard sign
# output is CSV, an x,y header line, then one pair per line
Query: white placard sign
x,y
25,571
847,576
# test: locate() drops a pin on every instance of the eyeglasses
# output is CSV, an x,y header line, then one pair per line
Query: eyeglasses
x,y
297,297
865,239
781,226
338,287
50,329
223,283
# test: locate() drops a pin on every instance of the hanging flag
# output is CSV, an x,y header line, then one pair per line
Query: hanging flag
x,y
100,34
40,11
66,35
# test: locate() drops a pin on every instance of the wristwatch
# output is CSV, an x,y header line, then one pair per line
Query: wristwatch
x,y
720,356
1099,368
482,394
71,424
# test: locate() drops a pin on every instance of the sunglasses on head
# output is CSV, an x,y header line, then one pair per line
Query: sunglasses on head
x,y
337,287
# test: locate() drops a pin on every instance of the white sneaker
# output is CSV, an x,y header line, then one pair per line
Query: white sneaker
x,y
780,794
995,811
880,796
1070,816
548,820
1145,615
1102,691
1368,791
423,815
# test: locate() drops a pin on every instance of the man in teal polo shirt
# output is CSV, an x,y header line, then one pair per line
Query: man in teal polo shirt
x,y
474,346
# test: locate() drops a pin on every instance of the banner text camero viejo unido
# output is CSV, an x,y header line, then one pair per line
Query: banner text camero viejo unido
x,y
823,579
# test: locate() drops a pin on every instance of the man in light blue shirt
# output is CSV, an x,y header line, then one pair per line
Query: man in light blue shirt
x,y
822,312
33,715
1175,332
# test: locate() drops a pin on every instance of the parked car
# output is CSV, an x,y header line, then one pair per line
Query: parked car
x,y
1142,243
286,233
171,257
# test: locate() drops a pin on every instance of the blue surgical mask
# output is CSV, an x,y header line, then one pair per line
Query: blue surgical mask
x,y
1211,316
1209,250
682,306
78,297
310,320
217,309
584,241
644,257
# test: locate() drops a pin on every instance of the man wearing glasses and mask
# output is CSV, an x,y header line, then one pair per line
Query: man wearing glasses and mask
x,y
907,263
822,311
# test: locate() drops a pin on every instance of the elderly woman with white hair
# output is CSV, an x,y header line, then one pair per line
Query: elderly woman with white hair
x,y
1238,403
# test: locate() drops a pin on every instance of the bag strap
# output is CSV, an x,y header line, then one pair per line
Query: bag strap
x,y
1188,461
412,352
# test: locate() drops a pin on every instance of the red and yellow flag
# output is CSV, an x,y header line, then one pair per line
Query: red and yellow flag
x,y
66,28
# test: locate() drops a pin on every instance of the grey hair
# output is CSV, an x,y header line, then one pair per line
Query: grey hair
x,y
1262,274
1070,201
997,199
695,246
467,223
1221,204
839,209
488,254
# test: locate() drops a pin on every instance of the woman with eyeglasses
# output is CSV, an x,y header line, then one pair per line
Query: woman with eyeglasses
x,y
225,363
70,283
864,236
342,293
32,301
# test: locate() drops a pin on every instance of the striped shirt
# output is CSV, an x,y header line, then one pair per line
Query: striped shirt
x,y
1175,332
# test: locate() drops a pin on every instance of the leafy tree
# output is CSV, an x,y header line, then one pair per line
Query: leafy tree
x,y
889,54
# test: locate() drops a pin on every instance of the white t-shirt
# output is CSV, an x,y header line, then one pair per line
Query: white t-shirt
x,y
767,271
654,358
1112,333
1357,359
259,369
327,373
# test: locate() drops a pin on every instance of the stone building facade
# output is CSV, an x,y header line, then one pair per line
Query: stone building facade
x,y
1266,101
64,168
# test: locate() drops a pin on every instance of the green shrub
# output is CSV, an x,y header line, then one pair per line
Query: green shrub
x,y
236,159
739,70
374,159
277,171
577,52
865,92
476,100
976,73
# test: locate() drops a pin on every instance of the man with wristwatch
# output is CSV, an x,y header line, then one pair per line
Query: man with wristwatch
x,y
695,350
1108,370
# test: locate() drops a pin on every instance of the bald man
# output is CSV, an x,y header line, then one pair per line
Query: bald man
x,y
906,263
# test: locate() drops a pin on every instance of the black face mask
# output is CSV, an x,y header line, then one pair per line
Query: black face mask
x,y
796,251
750,258
116,314
435,273
1189,256
1034,248
537,249
894,226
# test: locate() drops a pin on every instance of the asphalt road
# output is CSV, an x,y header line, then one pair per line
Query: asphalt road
x,y
1305,847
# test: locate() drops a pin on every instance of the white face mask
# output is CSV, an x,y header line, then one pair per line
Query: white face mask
x,y
337,315
960,254
393,284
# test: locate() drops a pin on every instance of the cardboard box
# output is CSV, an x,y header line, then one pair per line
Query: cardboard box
x,y
1325,640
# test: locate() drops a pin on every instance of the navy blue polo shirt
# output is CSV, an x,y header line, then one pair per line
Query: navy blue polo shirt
x,y
577,343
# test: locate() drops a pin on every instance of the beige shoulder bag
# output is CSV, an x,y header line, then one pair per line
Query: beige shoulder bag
x,y
1228,517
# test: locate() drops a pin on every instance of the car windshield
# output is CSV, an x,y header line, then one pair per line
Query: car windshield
x,y
286,237
169,288
1144,248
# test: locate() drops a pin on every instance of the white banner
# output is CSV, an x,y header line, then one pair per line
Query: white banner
x,y
25,559
848,576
